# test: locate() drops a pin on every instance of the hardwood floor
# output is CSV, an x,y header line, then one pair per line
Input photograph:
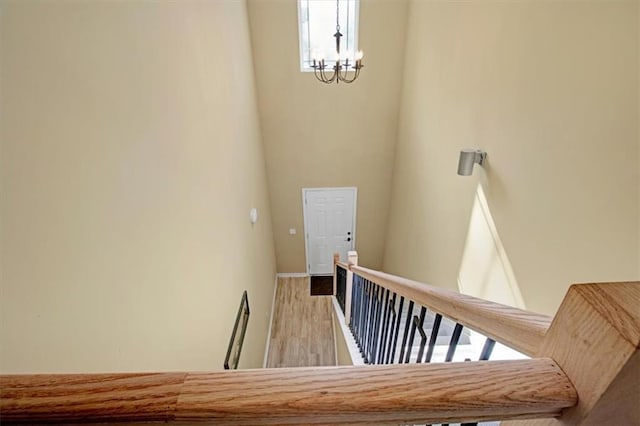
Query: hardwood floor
x,y
302,329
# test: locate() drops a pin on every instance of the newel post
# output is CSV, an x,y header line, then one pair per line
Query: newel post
x,y
352,259
595,339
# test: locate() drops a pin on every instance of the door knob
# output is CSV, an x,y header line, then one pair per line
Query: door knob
x,y
349,239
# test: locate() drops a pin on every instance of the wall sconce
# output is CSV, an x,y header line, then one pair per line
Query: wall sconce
x,y
468,157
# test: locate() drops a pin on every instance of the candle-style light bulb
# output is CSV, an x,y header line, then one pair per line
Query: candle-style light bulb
x,y
359,55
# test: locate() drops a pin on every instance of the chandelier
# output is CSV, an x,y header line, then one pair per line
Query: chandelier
x,y
340,70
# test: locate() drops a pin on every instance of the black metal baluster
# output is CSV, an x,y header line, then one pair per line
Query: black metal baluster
x,y
412,333
484,356
373,325
377,330
365,319
389,302
453,344
359,305
391,329
372,313
365,314
341,286
384,318
407,323
455,337
434,336
353,308
384,300
376,336
397,329
423,335
414,324
355,314
385,326
487,349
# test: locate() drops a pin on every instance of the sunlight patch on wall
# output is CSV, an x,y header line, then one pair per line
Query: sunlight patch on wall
x,y
485,270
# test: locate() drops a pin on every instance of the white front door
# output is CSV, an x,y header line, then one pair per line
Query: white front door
x,y
329,224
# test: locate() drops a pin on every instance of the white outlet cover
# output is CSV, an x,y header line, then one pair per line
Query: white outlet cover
x,y
292,231
253,215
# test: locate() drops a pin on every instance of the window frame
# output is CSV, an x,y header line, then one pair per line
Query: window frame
x,y
305,62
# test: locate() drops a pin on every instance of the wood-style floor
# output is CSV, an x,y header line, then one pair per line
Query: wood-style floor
x,y
302,328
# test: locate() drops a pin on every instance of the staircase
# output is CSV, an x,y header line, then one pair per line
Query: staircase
x,y
584,369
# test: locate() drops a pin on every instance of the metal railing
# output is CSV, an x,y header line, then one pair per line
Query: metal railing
x,y
391,329
234,349
341,286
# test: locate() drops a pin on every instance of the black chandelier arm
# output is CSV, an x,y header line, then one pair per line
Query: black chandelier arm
x,y
333,76
340,72
319,77
355,75
322,76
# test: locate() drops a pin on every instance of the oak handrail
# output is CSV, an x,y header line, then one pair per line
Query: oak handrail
x,y
595,339
343,265
517,328
382,394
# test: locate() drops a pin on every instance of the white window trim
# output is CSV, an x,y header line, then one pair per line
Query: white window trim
x,y
330,62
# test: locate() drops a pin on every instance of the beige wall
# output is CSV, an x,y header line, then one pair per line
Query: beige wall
x,y
319,135
130,158
550,91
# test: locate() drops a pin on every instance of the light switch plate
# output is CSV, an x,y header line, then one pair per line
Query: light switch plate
x,y
292,231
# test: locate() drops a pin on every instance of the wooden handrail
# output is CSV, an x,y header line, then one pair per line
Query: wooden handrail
x,y
517,328
383,394
595,339
343,265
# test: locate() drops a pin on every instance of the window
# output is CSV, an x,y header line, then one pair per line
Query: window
x,y
317,25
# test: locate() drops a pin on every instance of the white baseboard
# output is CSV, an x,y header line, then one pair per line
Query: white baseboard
x,y
292,275
354,352
273,307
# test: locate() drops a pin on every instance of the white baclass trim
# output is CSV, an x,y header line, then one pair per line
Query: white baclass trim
x,y
273,308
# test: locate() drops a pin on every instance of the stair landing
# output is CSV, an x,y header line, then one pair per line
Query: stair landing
x,y
302,333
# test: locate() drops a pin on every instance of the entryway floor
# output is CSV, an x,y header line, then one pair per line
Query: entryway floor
x,y
302,328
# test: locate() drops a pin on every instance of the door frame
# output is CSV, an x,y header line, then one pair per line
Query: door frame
x,y
304,217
